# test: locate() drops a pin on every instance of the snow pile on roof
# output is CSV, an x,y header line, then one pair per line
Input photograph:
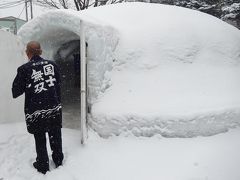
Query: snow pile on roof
x,y
11,53
152,68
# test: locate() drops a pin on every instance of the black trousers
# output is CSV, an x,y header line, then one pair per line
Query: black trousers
x,y
55,139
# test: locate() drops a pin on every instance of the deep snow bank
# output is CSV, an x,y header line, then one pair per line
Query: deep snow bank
x,y
181,101
12,56
152,68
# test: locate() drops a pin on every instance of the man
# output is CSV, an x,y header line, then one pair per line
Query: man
x,y
39,79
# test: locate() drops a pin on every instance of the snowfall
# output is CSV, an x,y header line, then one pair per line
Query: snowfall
x,y
164,84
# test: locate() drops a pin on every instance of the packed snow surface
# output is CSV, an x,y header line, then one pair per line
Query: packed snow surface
x,y
120,158
153,69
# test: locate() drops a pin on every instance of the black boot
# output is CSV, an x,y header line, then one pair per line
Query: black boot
x,y
40,167
58,164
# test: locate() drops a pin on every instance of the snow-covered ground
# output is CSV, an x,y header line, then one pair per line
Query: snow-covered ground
x,y
124,158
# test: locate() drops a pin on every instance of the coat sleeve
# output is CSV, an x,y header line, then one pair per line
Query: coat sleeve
x,y
19,83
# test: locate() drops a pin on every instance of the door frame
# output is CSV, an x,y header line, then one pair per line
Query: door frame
x,y
83,84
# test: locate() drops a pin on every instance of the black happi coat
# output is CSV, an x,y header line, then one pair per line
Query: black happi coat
x,y
40,80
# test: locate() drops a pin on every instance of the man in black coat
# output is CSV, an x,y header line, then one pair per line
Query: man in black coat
x,y
39,79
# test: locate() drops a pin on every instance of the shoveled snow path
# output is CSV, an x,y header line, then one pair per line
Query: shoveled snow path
x,y
124,158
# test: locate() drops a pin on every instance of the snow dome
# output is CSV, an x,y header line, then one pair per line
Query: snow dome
x,y
152,69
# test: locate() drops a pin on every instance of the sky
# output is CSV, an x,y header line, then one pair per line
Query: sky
x,y
19,11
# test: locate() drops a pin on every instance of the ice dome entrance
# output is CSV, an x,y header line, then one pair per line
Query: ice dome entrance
x,y
68,58
62,38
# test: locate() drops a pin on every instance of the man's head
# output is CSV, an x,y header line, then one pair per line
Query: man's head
x,y
33,49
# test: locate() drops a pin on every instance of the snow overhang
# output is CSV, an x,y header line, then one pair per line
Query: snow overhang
x,y
53,29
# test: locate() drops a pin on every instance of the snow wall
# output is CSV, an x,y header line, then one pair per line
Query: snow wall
x,y
12,56
153,69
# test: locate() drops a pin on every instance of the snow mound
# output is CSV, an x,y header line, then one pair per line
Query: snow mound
x,y
152,68
12,56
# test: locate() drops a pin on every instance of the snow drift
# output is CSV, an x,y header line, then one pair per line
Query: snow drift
x,y
12,56
118,158
152,68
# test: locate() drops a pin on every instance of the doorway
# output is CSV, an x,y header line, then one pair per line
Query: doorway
x,y
68,59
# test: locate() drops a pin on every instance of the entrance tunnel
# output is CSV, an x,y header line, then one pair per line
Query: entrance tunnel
x,y
68,59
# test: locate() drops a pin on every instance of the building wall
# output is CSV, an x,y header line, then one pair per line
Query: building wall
x,y
10,25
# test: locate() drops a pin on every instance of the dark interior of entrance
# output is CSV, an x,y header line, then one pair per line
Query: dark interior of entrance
x,y
68,60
